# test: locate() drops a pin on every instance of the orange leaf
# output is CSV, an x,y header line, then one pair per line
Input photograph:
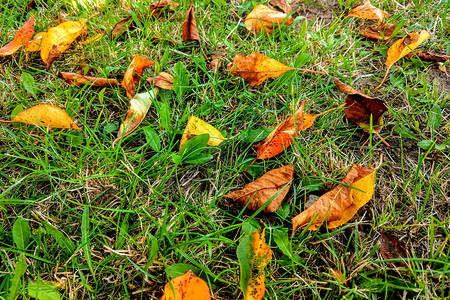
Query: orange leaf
x,y
78,79
190,31
134,73
35,43
264,188
59,38
163,80
281,4
264,18
339,205
365,10
23,36
186,287
255,68
46,115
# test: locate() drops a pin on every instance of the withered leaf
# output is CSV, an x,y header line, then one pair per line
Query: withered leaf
x,y
163,3
216,61
390,248
339,205
429,56
162,80
78,79
261,190
365,10
186,287
382,32
190,31
281,4
22,37
264,18
134,73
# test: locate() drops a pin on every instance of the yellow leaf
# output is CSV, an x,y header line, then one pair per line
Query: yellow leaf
x,y
264,18
35,44
186,287
46,115
196,126
339,205
59,38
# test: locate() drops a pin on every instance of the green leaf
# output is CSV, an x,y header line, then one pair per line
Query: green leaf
x,y
29,84
220,2
16,282
302,59
61,239
404,132
425,144
282,240
181,80
21,233
163,110
180,269
256,135
244,253
85,238
200,159
152,138
191,151
435,117
43,290
19,108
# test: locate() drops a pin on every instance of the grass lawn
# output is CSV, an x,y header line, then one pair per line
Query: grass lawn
x,y
118,223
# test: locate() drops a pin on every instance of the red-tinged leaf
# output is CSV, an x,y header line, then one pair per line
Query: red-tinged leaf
x,y
121,26
190,31
78,79
382,32
23,36
264,188
134,73
390,248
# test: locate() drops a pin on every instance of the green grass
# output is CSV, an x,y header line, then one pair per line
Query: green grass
x,y
108,223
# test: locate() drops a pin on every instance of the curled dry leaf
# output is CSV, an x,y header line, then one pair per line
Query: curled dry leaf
x,y
196,126
134,73
190,31
253,254
255,68
402,47
360,108
186,287
78,79
365,10
163,80
429,56
139,106
122,25
281,4
382,32
22,37
216,61
163,3
264,188
59,38
390,248
339,205
46,115
264,18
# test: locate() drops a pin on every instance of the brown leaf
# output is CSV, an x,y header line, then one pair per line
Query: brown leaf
x,y
121,26
163,80
46,115
429,56
163,3
255,68
134,73
382,32
365,10
78,79
31,5
264,18
281,4
339,205
261,190
190,31
390,248
216,61
186,287
23,36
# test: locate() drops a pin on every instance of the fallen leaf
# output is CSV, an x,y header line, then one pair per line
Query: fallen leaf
x,y
134,73
190,31
216,61
196,126
59,38
139,106
78,79
339,205
31,5
186,287
390,248
163,80
253,254
402,47
365,10
429,56
338,275
35,44
382,32
164,3
360,108
45,115
281,4
121,26
93,40
22,37
264,18
264,188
